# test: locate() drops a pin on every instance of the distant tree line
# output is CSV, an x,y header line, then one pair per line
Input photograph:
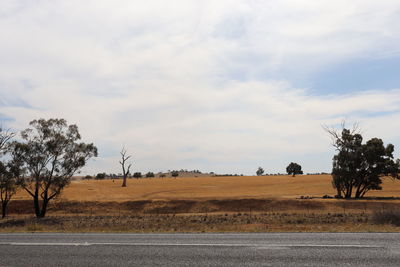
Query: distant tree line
x,y
137,175
228,174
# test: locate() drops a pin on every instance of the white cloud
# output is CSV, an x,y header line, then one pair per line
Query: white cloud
x,y
165,78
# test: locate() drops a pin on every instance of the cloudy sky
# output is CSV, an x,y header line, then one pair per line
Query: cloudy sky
x,y
222,86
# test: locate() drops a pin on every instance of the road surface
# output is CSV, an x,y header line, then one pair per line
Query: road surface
x,y
286,249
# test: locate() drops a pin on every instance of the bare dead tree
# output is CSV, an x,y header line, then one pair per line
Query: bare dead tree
x,y
125,170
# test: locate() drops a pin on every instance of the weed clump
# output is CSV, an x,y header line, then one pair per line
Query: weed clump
x,y
386,217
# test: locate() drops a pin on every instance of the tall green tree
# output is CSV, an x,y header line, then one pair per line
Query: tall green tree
x,y
357,167
260,171
51,153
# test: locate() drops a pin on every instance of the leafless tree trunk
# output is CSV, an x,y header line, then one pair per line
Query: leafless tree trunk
x,y
7,190
125,170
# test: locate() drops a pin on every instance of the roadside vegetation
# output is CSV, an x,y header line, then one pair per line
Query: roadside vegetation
x,y
243,215
37,169
44,161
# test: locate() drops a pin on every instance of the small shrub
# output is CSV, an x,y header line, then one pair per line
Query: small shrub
x,y
386,217
150,174
34,227
174,174
137,175
100,176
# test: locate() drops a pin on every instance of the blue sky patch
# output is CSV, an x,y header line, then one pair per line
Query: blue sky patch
x,y
356,76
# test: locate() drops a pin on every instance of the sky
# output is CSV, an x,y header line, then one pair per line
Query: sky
x,y
224,86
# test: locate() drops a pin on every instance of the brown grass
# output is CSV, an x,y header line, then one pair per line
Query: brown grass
x,y
236,222
240,187
140,207
207,204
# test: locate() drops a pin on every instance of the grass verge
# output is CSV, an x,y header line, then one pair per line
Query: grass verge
x,y
236,222
235,215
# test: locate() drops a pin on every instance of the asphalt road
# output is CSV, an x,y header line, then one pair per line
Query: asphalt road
x,y
289,249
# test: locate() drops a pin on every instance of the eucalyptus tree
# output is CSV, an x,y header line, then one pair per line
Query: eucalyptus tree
x,y
293,169
137,175
7,188
51,153
357,167
174,174
260,171
9,170
8,182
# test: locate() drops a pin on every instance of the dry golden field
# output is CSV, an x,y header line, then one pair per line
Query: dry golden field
x,y
209,204
205,188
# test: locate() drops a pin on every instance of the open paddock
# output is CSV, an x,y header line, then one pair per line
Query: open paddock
x,y
207,188
208,204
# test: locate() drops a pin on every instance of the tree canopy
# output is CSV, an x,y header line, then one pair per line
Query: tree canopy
x,y
260,171
359,168
137,175
150,175
174,174
293,169
9,170
51,155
